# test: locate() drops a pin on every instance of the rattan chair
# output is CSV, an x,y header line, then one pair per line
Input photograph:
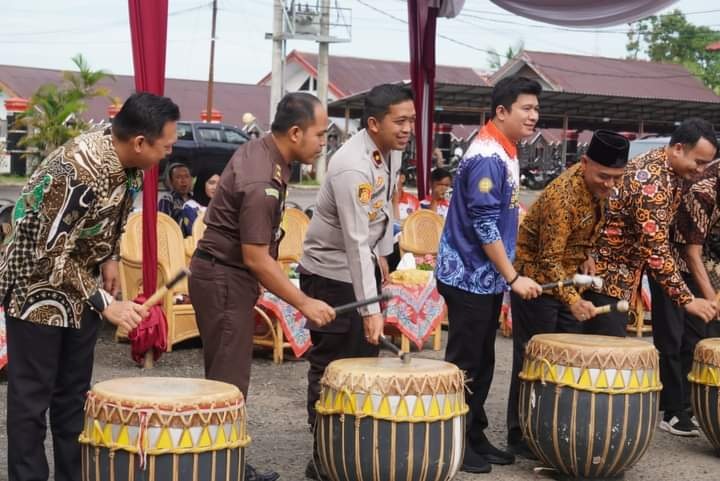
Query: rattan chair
x,y
295,224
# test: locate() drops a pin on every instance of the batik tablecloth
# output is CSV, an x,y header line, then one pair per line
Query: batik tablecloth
x,y
416,310
291,321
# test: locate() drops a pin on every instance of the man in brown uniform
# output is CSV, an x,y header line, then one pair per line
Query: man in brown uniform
x,y
238,250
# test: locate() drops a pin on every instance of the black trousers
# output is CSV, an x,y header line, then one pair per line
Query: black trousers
x,y
48,368
610,324
675,335
343,338
472,325
545,314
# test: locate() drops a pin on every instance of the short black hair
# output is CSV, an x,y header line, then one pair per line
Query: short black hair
x,y
691,130
439,174
507,91
294,109
144,114
380,98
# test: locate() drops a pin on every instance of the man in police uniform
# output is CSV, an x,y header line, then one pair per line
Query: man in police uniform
x,y
350,234
239,247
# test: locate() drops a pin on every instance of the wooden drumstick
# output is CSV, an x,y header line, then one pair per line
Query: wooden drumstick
x,y
158,295
387,344
354,305
620,306
578,280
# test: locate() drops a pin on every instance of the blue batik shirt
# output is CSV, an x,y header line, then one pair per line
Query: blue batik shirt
x,y
483,209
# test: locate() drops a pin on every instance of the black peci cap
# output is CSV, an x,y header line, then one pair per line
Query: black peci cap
x,y
609,149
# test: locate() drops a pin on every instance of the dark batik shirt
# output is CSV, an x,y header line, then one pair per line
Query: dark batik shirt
x,y
66,223
697,222
636,233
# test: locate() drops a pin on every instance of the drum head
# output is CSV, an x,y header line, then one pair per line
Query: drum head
x,y
166,391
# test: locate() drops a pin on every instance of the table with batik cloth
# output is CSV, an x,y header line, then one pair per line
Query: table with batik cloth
x,y
415,311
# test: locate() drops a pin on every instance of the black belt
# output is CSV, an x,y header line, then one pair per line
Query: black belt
x,y
204,255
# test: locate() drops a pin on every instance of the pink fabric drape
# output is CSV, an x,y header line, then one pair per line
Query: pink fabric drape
x,y
422,16
588,13
148,27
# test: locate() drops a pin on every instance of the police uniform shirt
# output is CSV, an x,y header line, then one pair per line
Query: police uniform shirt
x,y
247,207
352,224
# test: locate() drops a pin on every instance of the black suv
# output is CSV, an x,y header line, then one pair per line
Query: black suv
x,y
201,144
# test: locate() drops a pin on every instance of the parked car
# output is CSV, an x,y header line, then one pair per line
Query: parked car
x,y
201,144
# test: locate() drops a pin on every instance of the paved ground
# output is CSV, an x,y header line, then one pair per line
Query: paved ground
x,y
276,409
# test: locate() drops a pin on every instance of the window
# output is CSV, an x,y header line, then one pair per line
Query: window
x,y
234,137
210,135
184,131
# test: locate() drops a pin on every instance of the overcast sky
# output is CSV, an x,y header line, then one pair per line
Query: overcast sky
x,y
47,33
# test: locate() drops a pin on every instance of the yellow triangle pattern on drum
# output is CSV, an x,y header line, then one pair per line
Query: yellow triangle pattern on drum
x,y
602,381
123,437
584,379
402,411
205,440
567,377
164,441
634,384
107,434
185,440
618,384
220,440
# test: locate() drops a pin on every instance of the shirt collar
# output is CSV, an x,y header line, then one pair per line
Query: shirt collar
x,y
277,158
490,131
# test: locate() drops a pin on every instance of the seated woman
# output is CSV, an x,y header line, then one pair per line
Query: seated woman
x,y
440,183
203,191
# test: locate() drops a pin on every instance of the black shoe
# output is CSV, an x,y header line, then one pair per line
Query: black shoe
x,y
679,424
314,470
521,448
474,462
494,455
251,474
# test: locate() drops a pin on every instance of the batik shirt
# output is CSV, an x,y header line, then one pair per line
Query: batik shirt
x,y
172,203
67,222
483,209
636,232
697,223
559,231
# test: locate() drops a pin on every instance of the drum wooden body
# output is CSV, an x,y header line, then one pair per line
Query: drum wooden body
x,y
589,404
164,429
705,385
381,420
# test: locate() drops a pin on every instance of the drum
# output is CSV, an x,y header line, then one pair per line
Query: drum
x,y
589,404
380,419
704,380
164,429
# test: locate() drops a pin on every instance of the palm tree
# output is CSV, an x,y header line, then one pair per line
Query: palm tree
x,y
53,116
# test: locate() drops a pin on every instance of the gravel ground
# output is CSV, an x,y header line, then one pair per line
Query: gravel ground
x,y
281,441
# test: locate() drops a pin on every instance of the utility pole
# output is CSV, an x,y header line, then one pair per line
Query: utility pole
x,y
276,85
212,64
323,78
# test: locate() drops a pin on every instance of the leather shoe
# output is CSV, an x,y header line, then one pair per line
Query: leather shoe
x,y
521,448
314,470
474,462
251,474
494,455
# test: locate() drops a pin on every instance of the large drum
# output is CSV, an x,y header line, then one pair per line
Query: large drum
x,y
164,429
589,404
704,385
380,419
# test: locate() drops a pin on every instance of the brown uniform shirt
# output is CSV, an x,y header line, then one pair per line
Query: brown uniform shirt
x,y
247,207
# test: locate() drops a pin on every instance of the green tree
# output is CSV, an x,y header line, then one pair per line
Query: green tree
x,y
495,60
671,38
53,116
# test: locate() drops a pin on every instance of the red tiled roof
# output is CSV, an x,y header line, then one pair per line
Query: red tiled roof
x,y
351,75
232,99
614,77
713,47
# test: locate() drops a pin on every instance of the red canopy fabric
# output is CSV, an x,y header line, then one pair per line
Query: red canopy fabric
x,y
422,16
148,27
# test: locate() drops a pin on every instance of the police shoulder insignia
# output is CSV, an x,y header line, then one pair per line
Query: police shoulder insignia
x,y
364,192
485,185
378,204
272,193
377,158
